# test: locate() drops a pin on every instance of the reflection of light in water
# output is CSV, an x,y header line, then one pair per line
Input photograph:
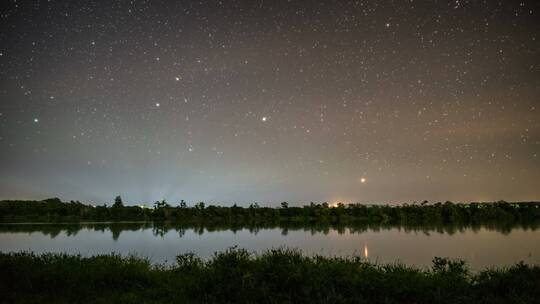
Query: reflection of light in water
x,y
366,253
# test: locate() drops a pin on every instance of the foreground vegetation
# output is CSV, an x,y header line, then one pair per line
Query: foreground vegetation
x,y
424,214
235,276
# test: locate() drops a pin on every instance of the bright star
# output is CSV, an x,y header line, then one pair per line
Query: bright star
x,y
264,118
157,104
36,120
363,180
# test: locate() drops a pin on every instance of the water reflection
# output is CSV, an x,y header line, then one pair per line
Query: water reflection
x,y
481,246
366,253
159,229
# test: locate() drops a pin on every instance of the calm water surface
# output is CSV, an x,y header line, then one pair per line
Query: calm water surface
x,y
480,247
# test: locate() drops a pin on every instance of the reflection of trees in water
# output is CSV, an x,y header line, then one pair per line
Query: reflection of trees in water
x,y
115,233
72,229
181,232
159,231
162,228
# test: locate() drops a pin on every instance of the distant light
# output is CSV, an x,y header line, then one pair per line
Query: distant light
x,y
157,104
363,180
177,78
264,118
36,120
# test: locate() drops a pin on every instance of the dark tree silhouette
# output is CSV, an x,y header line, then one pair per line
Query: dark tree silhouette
x,y
118,202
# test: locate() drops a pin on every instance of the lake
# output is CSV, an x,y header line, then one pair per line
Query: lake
x,y
481,247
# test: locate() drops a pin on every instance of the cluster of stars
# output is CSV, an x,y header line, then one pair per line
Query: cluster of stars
x,y
282,101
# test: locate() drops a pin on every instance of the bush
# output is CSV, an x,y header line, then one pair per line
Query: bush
x,y
236,276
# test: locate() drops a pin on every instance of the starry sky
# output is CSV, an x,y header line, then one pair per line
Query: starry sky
x,y
268,101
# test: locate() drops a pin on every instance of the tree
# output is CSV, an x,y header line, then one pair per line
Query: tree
x,y
162,204
183,204
118,202
55,200
284,205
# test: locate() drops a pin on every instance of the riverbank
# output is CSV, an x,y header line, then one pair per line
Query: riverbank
x,y
276,276
501,214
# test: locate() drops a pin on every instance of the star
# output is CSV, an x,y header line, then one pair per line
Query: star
x,y
343,106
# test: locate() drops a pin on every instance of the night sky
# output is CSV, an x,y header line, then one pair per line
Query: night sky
x,y
269,101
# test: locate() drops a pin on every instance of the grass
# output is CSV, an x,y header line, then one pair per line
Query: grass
x,y
236,276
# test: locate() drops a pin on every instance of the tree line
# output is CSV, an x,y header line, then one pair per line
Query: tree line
x,y
54,210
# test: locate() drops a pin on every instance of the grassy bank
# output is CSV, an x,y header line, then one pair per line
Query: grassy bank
x,y
235,276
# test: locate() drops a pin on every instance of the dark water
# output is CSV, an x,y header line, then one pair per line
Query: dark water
x,y
480,246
